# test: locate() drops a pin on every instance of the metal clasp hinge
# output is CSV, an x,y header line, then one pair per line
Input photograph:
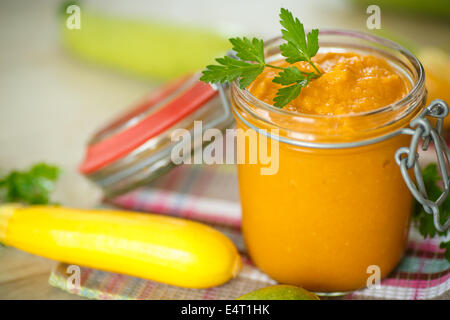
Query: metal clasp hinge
x,y
407,158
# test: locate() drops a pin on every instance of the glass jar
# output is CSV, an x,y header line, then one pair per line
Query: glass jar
x,y
136,147
338,207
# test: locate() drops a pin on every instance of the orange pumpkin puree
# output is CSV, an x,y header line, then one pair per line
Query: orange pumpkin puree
x,y
327,215
351,83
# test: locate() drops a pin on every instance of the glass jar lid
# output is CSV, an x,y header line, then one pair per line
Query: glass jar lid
x,y
136,147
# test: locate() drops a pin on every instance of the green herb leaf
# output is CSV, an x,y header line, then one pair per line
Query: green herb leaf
x,y
32,187
249,50
446,246
298,47
230,69
313,42
291,53
293,31
252,60
289,76
287,94
423,220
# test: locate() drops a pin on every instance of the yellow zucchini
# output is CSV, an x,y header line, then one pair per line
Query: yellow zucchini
x,y
165,249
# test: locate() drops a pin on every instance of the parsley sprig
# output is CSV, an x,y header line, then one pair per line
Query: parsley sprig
x,y
298,47
423,220
32,186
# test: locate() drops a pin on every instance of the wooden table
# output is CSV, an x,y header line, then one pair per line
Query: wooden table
x,y
24,276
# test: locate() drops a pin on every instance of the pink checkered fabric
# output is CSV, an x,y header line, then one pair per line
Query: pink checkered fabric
x,y
209,194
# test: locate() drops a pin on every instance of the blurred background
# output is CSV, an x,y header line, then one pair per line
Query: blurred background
x,y
58,85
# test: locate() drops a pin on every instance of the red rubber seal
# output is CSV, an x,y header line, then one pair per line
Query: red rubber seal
x,y
105,152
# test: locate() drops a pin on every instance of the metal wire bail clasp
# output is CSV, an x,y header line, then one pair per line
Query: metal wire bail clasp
x,y
407,158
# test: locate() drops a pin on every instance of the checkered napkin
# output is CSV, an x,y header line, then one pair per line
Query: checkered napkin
x,y
209,194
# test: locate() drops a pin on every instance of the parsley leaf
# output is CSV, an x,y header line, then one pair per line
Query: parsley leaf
x,y
313,42
446,246
293,31
32,187
230,69
288,76
298,47
423,220
252,61
249,50
286,94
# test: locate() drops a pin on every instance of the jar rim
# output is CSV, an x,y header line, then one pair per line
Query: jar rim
x,y
412,94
